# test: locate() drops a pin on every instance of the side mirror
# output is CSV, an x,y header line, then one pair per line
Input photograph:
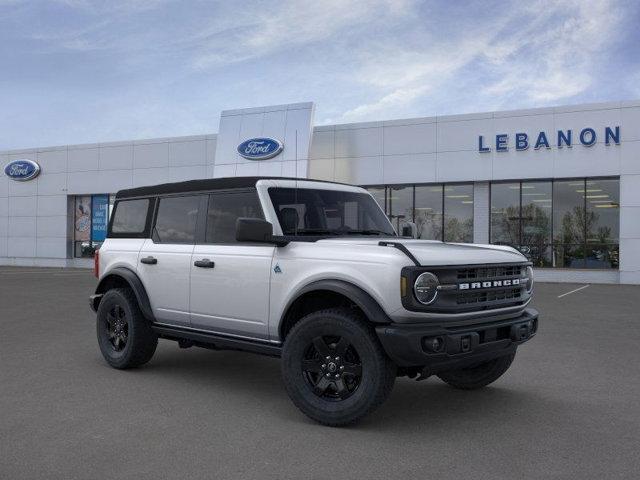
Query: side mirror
x,y
256,230
410,229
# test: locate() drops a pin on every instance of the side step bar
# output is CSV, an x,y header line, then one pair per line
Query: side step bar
x,y
216,341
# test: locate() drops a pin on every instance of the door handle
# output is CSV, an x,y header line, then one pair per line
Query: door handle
x,y
204,263
149,260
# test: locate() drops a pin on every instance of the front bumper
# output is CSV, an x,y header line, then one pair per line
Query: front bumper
x,y
412,345
94,301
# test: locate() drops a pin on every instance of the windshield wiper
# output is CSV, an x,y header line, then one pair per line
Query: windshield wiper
x,y
312,231
366,232
324,231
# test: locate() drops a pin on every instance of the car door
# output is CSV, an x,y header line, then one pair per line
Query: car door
x,y
230,280
164,262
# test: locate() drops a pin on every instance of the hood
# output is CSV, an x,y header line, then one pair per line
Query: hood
x,y
433,253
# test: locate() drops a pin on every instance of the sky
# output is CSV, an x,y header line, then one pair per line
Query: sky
x,y
80,71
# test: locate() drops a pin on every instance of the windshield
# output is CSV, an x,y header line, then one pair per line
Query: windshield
x,y
305,211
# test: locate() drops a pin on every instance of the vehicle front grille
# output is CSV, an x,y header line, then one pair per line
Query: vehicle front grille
x,y
484,273
472,288
468,298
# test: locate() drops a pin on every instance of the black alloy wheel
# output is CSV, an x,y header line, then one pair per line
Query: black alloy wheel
x,y
125,337
117,327
332,367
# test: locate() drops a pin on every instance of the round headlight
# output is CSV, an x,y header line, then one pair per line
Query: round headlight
x,y
529,284
426,288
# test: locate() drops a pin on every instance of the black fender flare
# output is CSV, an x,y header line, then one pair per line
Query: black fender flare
x,y
134,282
369,306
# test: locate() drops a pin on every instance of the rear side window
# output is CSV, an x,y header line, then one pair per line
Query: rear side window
x,y
176,220
225,209
130,216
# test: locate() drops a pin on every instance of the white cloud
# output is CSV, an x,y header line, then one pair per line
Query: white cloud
x,y
286,25
554,63
544,52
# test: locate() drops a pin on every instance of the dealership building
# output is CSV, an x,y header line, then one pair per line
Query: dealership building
x,y
561,184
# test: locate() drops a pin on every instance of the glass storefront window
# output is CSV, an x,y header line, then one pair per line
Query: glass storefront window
x,y
440,212
82,226
569,223
505,214
400,206
603,223
91,217
428,212
564,223
536,212
458,213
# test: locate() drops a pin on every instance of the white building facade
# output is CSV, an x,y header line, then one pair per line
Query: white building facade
x,y
561,184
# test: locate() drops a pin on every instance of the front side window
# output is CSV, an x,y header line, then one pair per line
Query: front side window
x,y
225,209
306,211
176,220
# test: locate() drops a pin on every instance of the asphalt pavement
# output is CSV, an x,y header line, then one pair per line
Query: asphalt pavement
x,y
569,407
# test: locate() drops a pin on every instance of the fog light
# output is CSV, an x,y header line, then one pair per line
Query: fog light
x,y
434,344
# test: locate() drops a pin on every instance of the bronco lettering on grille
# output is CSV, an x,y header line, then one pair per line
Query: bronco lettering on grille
x,y
489,284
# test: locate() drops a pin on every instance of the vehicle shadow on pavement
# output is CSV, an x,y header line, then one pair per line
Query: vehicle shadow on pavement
x,y
412,405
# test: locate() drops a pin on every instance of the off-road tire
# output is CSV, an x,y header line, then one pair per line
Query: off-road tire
x,y
377,371
141,341
478,376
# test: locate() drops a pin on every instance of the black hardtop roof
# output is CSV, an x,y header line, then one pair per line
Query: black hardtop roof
x,y
203,185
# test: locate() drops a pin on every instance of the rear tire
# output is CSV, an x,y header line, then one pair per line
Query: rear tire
x,y
334,368
478,376
125,337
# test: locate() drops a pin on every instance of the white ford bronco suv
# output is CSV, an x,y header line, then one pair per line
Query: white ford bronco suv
x,y
312,272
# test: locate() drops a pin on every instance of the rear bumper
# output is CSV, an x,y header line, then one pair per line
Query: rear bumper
x,y
440,348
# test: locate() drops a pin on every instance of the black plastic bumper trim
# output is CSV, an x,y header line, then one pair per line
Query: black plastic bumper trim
x,y
482,341
94,301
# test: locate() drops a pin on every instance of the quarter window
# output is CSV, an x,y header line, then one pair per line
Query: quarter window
x,y
130,216
225,209
176,220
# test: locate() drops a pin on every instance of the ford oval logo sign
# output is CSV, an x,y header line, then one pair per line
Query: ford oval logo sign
x,y
260,148
22,170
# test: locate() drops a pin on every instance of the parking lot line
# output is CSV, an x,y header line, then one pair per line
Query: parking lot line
x,y
573,291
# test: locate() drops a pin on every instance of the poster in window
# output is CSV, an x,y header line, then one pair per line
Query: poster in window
x,y
82,229
99,214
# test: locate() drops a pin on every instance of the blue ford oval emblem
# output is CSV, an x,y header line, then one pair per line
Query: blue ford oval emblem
x,y
22,170
260,148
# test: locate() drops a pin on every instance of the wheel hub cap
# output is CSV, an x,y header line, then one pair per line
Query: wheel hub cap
x,y
332,367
